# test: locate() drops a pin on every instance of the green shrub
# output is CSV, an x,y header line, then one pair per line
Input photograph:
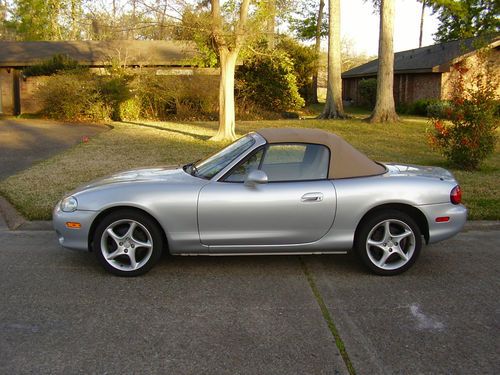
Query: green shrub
x,y
418,107
304,60
180,97
51,66
368,92
129,109
269,82
73,96
115,91
404,108
439,109
466,134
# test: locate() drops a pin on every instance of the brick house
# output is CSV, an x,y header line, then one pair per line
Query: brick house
x,y
16,91
422,73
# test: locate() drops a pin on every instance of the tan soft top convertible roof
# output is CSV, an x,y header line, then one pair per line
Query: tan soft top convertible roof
x,y
345,160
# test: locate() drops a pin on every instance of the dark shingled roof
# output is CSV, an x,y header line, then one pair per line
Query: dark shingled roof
x,y
99,53
435,58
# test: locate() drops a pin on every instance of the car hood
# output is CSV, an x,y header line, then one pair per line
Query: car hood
x,y
172,174
396,169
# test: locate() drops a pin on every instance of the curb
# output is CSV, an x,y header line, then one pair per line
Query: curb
x,y
15,221
482,225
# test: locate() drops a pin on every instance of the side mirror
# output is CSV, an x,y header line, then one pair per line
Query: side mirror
x,y
256,177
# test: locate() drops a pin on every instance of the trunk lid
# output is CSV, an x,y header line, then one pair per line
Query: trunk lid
x,y
396,169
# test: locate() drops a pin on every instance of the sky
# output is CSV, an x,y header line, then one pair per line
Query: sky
x,y
361,25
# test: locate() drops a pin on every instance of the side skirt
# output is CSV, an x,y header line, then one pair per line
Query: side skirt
x,y
267,253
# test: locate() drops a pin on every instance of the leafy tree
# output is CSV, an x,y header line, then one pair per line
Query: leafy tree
x,y
44,19
304,22
195,26
268,80
310,24
304,61
232,28
273,11
4,32
36,19
229,38
465,132
466,18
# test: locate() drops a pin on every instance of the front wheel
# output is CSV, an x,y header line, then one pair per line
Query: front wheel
x,y
389,242
128,243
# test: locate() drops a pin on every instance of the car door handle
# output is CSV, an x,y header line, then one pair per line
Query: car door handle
x,y
312,197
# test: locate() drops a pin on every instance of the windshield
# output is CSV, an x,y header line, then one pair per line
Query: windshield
x,y
214,164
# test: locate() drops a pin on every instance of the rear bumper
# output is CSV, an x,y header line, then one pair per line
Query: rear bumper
x,y
443,230
76,239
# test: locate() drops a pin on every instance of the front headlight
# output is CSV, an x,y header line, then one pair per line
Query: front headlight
x,y
69,204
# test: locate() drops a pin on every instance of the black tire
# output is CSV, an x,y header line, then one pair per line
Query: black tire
x,y
132,247
390,251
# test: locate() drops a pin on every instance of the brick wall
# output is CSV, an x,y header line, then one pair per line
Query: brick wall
x,y
6,92
425,86
28,89
490,68
350,89
407,87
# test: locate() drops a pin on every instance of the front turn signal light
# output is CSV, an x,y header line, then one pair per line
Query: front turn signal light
x,y
73,225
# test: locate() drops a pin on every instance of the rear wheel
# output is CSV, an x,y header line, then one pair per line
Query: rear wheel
x,y
389,242
128,243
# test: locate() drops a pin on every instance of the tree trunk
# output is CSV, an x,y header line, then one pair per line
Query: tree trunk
x,y
385,110
131,30
228,53
333,106
227,121
271,25
54,7
317,49
74,21
421,24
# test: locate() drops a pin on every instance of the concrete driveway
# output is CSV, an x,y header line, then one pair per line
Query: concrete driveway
x,y
61,314
24,142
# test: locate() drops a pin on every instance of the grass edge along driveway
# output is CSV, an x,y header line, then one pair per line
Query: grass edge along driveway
x,y
35,191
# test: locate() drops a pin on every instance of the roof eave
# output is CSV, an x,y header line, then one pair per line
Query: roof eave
x,y
447,66
358,75
101,64
401,71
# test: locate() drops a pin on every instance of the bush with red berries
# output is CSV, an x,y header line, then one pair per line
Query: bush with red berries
x,y
465,131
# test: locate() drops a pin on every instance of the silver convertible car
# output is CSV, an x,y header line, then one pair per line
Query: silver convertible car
x,y
274,191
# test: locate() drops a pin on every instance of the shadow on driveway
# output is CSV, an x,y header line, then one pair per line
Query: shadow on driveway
x,y
24,142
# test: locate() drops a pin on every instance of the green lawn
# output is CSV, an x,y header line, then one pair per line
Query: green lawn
x,y
35,191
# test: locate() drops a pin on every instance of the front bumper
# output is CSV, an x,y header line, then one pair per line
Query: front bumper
x,y
73,238
443,230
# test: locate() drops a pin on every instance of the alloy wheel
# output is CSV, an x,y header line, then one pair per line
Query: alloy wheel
x,y
390,244
126,245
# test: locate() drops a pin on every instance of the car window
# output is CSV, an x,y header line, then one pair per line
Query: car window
x,y
296,162
217,162
285,154
240,172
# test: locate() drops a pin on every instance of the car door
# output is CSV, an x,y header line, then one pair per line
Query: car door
x,y
296,206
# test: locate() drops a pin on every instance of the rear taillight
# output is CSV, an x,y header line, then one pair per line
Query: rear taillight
x,y
456,195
